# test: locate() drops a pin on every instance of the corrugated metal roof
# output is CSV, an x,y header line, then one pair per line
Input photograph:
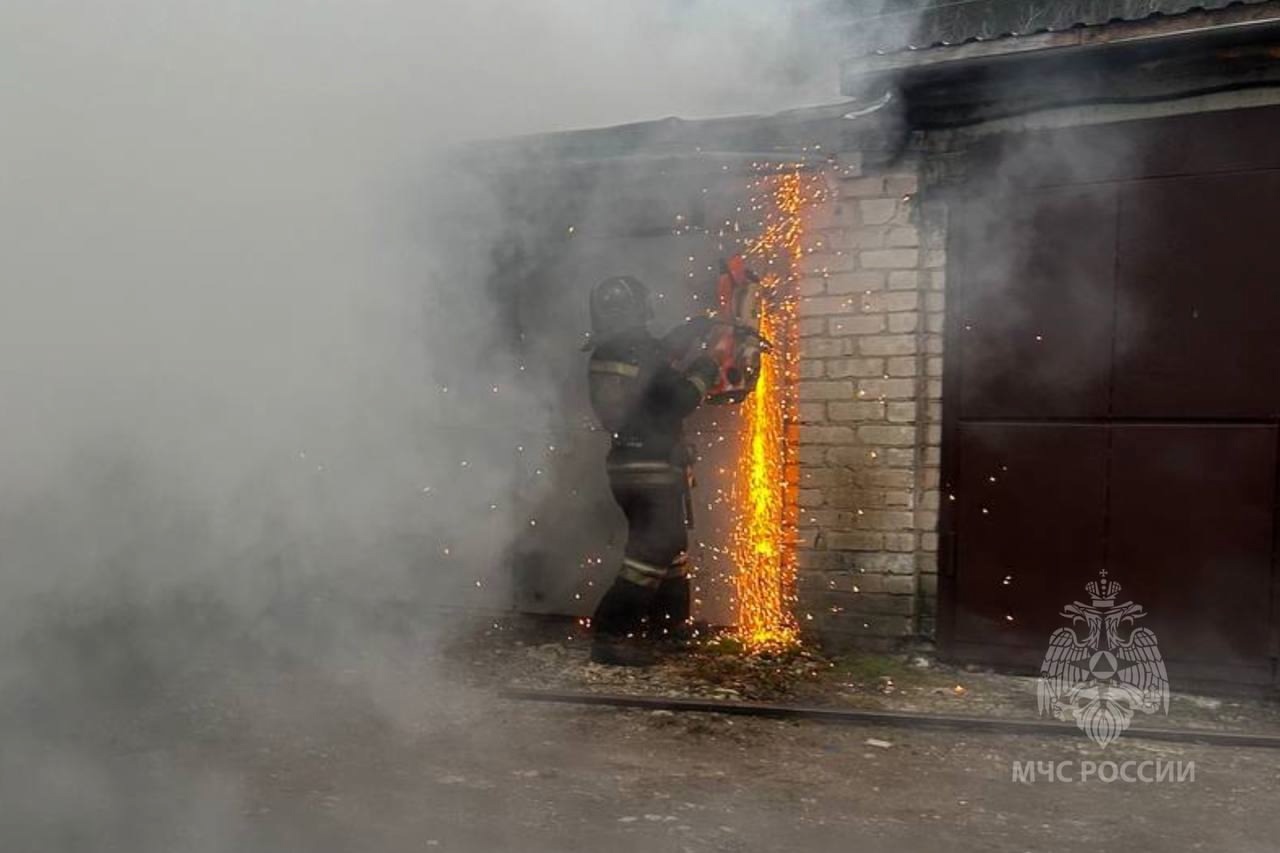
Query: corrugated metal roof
x,y
913,24
799,135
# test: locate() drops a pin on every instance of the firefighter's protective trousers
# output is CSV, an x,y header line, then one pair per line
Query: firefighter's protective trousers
x,y
643,401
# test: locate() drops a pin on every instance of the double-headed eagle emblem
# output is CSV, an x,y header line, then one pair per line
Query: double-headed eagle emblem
x,y
1102,677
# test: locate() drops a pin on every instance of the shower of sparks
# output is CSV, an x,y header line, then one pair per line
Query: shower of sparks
x,y
763,493
762,553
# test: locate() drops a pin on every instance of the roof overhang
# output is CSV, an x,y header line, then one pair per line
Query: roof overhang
x,y
1118,42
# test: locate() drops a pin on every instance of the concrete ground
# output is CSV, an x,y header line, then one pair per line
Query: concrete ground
x,y
283,758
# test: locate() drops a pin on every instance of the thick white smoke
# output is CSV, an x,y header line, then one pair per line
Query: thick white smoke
x,y
211,272
232,278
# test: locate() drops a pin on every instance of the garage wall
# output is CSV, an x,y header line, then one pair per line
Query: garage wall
x,y
870,407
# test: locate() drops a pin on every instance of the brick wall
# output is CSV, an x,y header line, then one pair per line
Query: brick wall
x,y
870,406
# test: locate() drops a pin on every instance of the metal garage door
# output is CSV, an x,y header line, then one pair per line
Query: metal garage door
x,y
1112,397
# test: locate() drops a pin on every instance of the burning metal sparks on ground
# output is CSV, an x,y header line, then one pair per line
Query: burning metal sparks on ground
x,y
764,492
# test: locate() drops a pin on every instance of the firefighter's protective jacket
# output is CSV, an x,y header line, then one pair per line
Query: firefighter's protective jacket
x,y
643,400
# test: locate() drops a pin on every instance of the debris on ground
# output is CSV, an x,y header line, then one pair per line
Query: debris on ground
x,y
718,668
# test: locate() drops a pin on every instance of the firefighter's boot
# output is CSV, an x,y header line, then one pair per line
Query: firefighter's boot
x,y
669,614
620,623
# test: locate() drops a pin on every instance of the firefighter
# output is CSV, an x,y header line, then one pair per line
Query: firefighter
x,y
642,397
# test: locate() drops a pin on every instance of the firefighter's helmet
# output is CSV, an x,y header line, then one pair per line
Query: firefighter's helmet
x,y
619,304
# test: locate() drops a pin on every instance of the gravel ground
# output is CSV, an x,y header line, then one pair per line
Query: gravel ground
x,y
553,659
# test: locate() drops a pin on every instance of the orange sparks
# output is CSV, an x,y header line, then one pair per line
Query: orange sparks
x,y
762,551
764,494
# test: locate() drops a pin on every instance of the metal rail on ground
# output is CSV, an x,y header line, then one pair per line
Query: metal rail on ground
x,y
899,719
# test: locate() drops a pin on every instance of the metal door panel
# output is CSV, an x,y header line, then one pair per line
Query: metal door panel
x,y
1191,516
1198,306
1029,507
1165,470
1036,310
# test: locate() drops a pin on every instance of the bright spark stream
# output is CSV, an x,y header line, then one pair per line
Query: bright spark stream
x,y
764,492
